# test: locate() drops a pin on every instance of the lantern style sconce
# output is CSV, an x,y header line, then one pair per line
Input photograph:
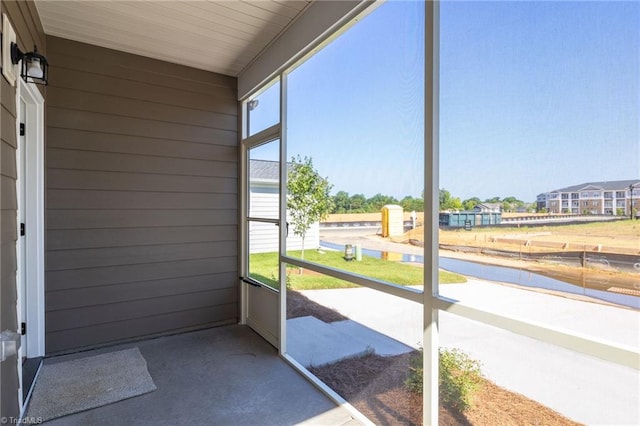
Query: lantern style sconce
x,y
34,69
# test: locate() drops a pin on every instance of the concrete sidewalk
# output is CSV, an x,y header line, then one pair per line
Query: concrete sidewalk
x,y
585,389
315,343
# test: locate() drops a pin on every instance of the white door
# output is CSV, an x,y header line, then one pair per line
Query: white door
x,y
261,276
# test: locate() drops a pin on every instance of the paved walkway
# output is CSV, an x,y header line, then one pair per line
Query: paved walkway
x,y
314,343
583,388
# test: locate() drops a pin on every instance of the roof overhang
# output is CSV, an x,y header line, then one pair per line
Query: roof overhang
x,y
218,36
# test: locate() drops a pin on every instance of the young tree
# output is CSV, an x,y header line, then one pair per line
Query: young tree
x,y
308,199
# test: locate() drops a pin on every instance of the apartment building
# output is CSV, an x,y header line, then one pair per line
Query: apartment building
x,y
606,198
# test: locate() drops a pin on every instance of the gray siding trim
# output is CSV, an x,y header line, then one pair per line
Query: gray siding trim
x,y
142,191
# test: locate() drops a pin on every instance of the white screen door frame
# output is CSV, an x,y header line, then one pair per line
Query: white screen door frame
x,y
30,197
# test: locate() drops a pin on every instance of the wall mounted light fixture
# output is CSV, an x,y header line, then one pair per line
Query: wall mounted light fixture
x,y
252,104
34,68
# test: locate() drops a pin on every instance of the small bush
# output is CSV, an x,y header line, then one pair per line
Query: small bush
x,y
459,378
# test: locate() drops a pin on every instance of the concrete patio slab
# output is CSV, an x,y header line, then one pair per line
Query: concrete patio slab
x,y
225,376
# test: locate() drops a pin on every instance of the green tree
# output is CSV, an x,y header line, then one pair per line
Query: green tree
x,y
470,203
409,204
444,198
341,202
378,201
358,203
308,199
447,202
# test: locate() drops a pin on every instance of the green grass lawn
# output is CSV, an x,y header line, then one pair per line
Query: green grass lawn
x,y
264,268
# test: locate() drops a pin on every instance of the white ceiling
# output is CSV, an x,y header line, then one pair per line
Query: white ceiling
x,y
218,36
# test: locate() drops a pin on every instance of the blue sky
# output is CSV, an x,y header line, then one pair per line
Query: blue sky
x,y
534,96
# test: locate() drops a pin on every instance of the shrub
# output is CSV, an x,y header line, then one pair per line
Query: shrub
x,y
459,378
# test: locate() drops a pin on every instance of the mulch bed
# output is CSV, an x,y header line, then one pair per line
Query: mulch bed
x,y
375,386
301,306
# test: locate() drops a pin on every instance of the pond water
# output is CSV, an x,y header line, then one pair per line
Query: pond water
x,y
504,274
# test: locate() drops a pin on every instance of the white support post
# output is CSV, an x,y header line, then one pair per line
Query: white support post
x,y
242,265
431,192
283,214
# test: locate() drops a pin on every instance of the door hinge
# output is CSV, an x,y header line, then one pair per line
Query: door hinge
x,y
22,229
21,129
23,328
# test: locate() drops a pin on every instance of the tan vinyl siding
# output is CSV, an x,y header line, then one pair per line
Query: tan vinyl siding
x,y
26,23
142,195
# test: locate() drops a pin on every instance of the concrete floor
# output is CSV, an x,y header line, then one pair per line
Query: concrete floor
x,y
220,376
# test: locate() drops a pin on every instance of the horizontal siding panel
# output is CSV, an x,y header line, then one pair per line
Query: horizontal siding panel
x,y
8,126
9,262
107,85
9,297
141,327
263,239
141,145
9,226
8,96
124,72
84,278
84,120
91,258
8,200
90,180
179,73
83,297
100,314
8,157
97,238
142,184
108,162
26,33
108,219
113,105
78,199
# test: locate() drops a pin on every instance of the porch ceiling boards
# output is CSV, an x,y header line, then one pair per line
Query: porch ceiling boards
x,y
218,36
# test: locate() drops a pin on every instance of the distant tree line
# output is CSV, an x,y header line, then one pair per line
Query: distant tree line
x,y
509,204
358,203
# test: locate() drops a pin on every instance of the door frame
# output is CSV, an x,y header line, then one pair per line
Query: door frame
x,y
258,312
33,152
